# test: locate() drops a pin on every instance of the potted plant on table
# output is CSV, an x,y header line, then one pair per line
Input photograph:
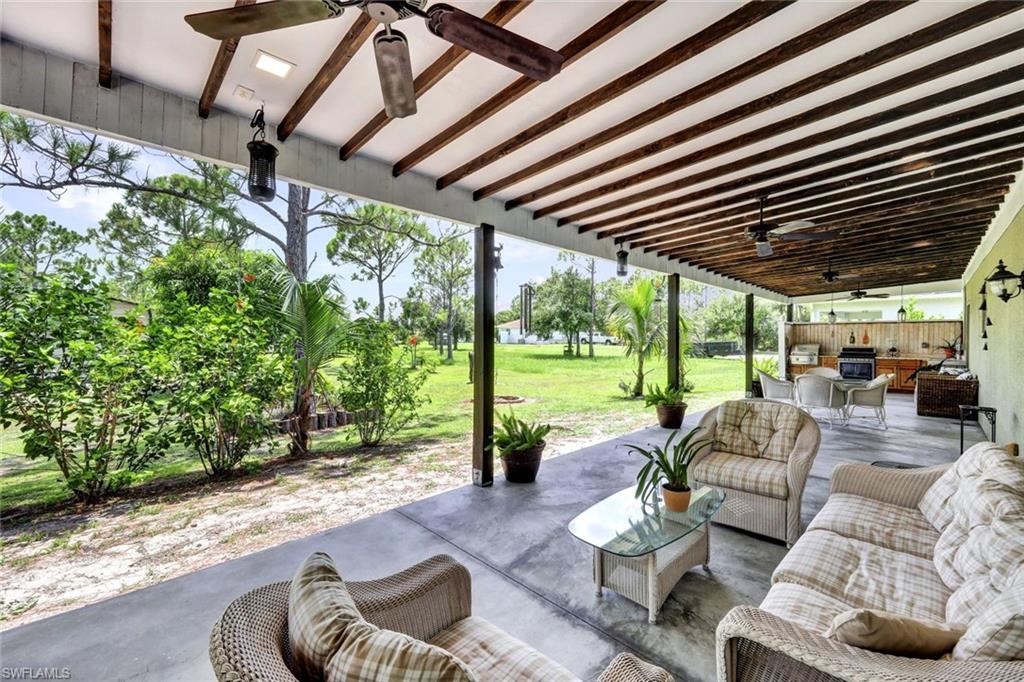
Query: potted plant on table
x,y
950,347
668,469
520,446
670,404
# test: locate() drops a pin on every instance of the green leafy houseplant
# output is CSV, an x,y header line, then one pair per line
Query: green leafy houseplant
x,y
670,404
667,469
520,445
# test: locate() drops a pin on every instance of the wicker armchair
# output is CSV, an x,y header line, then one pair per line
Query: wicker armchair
x,y
761,495
250,640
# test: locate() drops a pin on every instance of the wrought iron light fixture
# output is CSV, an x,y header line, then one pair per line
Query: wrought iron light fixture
x,y
262,161
1002,282
901,314
620,259
497,257
831,308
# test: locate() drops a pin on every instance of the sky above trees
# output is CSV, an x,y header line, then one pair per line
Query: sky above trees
x,y
80,209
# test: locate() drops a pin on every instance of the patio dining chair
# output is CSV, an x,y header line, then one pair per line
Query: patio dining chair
x,y
775,389
826,372
872,396
816,392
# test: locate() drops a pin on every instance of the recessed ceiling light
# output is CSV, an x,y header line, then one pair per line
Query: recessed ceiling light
x,y
275,66
244,93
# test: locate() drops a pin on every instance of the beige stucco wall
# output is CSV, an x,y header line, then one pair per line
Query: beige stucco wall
x,y
1000,369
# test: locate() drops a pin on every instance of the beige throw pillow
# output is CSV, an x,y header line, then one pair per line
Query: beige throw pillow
x,y
888,633
331,641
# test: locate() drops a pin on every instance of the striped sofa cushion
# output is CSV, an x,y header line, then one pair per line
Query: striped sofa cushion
x,y
998,633
330,640
756,428
495,655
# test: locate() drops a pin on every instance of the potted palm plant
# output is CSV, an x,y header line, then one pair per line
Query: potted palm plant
x,y
520,446
670,404
668,469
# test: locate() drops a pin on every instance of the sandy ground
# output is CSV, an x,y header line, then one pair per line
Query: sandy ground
x,y
67,559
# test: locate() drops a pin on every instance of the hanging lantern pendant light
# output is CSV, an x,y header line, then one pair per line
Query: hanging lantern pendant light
x,y
901,314
262,160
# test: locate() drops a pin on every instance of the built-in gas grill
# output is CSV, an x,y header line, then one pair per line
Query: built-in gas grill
x,y
857,362
804,354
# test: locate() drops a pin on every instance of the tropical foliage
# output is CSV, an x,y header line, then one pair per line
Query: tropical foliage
x,y
514,434
378,382
656,395
83,388
222,377
667,464
636,320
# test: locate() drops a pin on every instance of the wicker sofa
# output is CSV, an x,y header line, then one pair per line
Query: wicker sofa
x,y
944,544
430,601
762,453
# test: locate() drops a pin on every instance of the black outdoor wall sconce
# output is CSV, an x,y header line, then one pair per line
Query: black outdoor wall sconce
x,y
1002,281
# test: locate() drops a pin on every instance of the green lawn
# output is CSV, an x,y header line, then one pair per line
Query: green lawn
x,y
573,393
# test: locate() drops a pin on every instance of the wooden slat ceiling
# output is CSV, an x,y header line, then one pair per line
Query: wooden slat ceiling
x,y
897,124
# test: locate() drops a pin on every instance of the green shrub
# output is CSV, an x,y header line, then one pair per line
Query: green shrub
x,y
83,388
222,378
377,382
769,366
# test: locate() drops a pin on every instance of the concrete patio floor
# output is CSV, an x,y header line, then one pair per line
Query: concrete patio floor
x,y
530,577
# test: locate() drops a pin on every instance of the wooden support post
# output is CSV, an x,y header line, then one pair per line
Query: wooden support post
x,y
748,345
789,312
483,355
674,355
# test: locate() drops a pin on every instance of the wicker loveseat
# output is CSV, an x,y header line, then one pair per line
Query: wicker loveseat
x,y
429,601
762,453
942,544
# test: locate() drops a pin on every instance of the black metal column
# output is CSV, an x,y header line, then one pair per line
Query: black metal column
x,y
483,355
748,346
673,331
789,312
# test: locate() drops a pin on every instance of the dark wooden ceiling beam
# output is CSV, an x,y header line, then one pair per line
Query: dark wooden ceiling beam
x,y
878,225
906,249
931,35
105,12
744,17
914,251
897,277
499,15
999,162
796,263
828,177
357,34
818,137
221,62
819,209
720,246
607,28
851,20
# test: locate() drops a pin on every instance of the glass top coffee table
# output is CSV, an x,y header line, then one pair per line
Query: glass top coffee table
x,y
641,551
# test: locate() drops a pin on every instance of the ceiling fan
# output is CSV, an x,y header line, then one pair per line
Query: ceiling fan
x,y
858,294
831,275
762,232
391,48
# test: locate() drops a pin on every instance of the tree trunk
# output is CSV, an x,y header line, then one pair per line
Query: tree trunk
x,y
638,388
578,354
380,299
296,233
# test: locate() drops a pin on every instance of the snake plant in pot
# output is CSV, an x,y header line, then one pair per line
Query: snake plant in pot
x,y
520,446
667,469
670,404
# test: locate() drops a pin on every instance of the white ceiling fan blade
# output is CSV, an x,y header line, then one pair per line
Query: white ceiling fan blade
x,y
877,296
792,226
764,248
805,236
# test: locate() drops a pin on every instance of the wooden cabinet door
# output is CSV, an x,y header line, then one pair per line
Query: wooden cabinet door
x,y
886,367
903,372
829,361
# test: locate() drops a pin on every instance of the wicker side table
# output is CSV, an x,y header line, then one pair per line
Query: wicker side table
x,y
941,395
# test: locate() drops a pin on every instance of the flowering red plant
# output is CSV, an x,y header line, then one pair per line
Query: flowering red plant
x,y
413,340
249,278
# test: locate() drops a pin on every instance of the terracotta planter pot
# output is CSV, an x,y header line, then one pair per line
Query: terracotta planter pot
x,y
949,352
521,466
674,500
671,416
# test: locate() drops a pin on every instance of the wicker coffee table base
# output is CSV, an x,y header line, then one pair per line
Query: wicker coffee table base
x,y
648,580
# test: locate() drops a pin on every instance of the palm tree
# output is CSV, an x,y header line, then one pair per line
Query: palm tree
x,y
318,325
635,319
